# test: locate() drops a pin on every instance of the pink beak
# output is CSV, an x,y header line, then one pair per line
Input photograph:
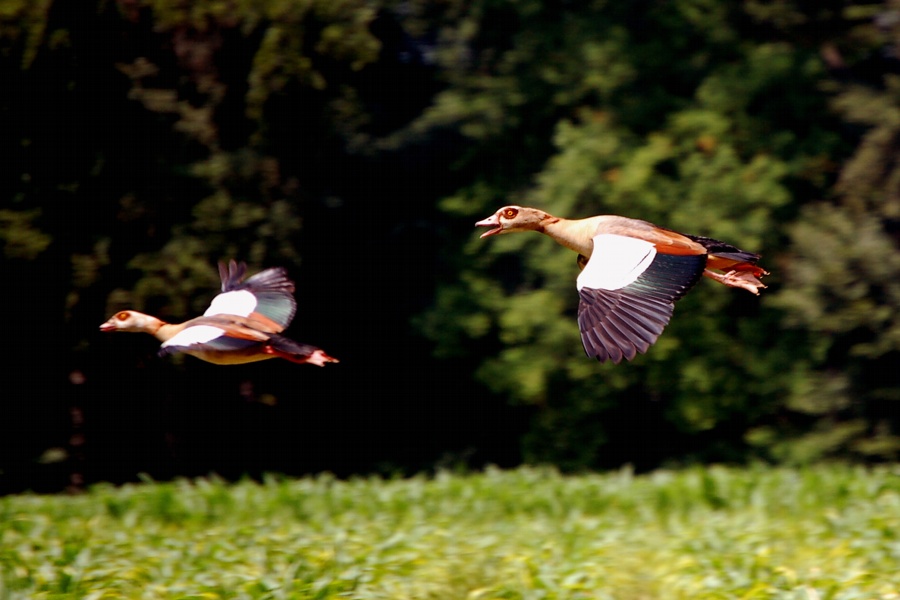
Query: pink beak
x,y
491,221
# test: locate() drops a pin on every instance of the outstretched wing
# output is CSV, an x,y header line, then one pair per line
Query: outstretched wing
x,y
627,293
201,338
269,293
222,333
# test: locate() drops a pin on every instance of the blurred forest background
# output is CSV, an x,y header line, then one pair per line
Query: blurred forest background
x,y
355,142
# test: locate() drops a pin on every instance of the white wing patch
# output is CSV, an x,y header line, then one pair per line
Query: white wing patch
x,y
198,334
240,303
616,261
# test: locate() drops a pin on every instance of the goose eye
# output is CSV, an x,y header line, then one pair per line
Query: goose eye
x,y
510,213
122,316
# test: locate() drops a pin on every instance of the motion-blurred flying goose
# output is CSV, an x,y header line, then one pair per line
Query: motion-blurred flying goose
x,y
241,325
632,273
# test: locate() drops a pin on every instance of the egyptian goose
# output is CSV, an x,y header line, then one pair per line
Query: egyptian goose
x,y
241,325
632,273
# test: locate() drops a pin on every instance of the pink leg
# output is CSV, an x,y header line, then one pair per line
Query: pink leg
x,y
318,357
739,279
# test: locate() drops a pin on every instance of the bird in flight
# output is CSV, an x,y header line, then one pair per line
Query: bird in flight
x,y
632,273
242,324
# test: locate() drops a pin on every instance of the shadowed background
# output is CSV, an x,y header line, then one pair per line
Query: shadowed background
x,y
355,143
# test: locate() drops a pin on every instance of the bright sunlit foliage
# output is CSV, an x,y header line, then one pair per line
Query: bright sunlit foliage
x,y
824,532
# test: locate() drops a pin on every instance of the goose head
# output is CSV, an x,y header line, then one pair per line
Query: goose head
x,y
131,320
513,218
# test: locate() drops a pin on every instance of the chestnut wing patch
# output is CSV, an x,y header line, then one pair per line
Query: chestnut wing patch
x,y
203,337
218,332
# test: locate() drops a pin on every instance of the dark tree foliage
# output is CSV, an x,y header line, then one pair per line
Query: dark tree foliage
x,y
355,143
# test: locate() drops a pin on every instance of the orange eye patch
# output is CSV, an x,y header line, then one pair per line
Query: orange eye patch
x,y
122,316
509,213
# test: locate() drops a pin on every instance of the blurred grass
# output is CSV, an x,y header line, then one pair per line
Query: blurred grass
x,y
825,532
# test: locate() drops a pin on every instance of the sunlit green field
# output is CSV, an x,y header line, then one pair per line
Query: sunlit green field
x,y
823,532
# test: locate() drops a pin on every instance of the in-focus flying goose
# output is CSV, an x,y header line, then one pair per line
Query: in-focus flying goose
x,y
632,273
241,325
